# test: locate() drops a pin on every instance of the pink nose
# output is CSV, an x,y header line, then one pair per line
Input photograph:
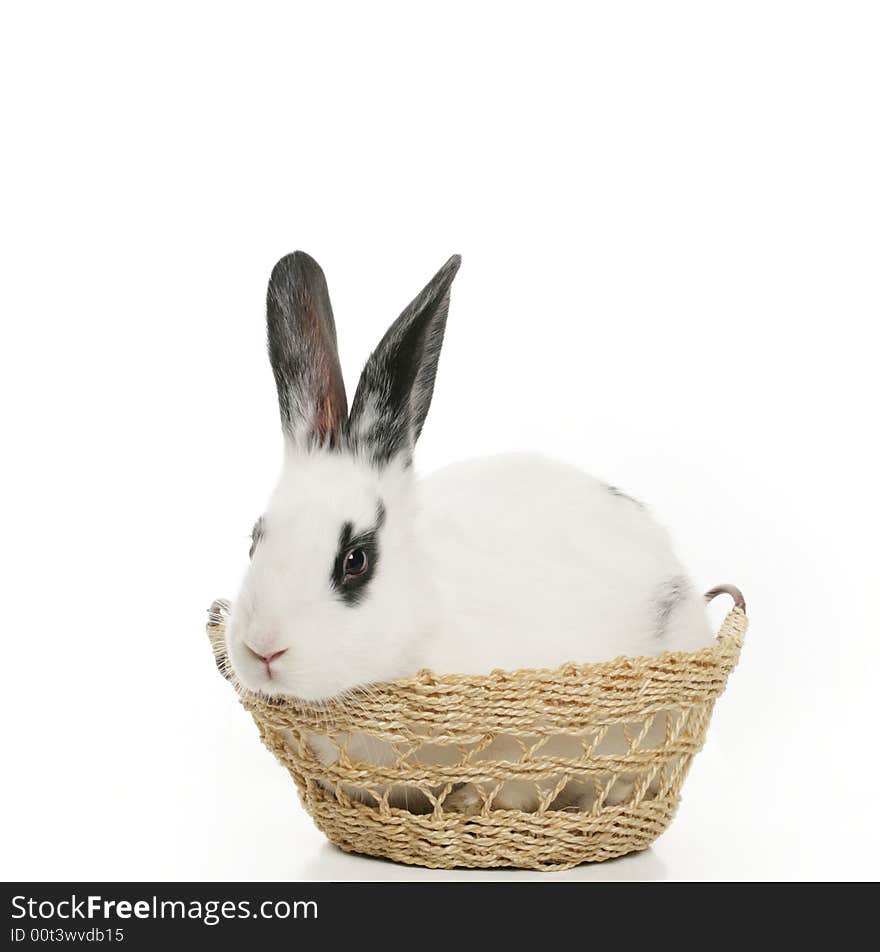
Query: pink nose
x,y
267,658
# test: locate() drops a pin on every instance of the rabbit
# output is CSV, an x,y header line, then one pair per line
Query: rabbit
x,y
361,573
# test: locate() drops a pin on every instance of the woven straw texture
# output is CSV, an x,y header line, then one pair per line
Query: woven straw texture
x,y
425,770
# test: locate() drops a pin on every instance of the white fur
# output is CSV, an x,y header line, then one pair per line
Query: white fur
x,y
286,600
507,562
537,564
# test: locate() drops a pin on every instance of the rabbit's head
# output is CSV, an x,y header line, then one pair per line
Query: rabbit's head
x,y
334,597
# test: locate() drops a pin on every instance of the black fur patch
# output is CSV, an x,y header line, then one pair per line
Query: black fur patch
x,y
256,534
622,495
302,350
353,590
672,593
397,383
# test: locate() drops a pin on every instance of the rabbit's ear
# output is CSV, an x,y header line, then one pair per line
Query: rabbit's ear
x,y
395,389
302,350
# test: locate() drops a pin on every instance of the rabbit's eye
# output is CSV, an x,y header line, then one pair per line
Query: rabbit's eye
x,y
356,563
356,560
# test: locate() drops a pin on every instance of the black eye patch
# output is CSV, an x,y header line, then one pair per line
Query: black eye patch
x,y
362,550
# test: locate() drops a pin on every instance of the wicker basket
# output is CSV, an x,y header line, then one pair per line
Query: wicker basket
x,y
620,734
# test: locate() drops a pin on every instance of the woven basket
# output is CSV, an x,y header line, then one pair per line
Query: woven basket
x,y
604,748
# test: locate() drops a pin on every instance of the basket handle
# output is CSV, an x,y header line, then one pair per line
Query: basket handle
x,y
737,596
217,615
219,611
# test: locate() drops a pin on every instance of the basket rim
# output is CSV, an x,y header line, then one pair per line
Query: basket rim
x,y
728,642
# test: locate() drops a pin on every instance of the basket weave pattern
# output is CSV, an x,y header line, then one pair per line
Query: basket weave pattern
x,y
602,749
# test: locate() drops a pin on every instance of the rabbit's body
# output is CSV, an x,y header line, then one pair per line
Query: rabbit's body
x,y
361,573
534,564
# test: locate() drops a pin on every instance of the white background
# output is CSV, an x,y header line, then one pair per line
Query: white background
x,y
668,215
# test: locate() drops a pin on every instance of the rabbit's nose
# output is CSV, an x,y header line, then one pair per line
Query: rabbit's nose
x,y
269,656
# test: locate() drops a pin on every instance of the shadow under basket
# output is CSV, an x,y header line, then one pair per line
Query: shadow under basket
x,y
424,770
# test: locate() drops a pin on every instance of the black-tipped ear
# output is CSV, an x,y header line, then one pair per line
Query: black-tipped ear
x,y
396,386
302,350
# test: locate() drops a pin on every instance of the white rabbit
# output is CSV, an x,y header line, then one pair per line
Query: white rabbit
x,y
361,572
